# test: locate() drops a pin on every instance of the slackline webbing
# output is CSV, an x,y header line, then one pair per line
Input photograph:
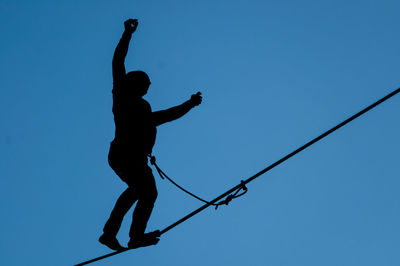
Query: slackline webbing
x,y
232,190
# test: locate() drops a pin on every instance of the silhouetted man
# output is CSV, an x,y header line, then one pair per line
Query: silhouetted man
x,y
135,134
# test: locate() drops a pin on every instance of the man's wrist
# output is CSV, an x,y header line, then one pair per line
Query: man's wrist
x,y
128,32
190,103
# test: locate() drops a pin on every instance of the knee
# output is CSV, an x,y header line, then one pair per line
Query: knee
x,y
149,196
131,193
153,195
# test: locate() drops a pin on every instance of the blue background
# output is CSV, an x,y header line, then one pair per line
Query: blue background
x,y
274,75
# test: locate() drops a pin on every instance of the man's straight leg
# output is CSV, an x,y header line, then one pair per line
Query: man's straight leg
x,y
122,206
147,195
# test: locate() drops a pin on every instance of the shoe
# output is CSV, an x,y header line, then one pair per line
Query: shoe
x,y
111,242
147,239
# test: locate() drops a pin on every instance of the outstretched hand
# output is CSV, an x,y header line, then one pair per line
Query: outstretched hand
x,y
131,25
196,99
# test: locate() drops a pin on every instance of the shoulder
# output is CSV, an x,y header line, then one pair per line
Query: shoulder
x,y
146,104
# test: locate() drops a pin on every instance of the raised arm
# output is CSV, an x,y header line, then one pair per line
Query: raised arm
x,y
164,116
118,62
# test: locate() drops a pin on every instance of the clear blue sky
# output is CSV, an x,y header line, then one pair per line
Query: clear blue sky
x,y
274,74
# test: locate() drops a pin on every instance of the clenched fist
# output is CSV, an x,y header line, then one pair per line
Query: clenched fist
x,y
131,25
196,99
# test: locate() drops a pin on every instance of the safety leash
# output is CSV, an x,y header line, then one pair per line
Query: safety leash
x,y
225,201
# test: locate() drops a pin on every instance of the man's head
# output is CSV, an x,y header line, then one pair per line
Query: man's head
x,y
137,82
